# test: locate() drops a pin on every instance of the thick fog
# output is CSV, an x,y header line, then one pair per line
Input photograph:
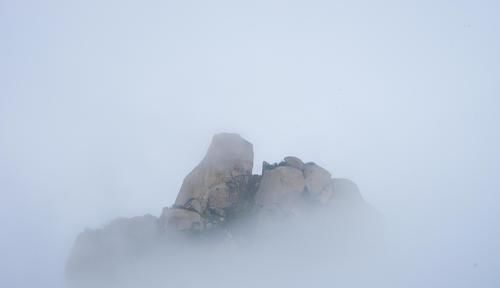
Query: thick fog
x,y
105,106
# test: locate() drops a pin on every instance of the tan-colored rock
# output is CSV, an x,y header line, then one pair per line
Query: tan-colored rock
x,y
316,178
221,192
294,162
228,156
325,196
280,186
182,220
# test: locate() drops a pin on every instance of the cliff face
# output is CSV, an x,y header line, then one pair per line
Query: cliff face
x,y
220,204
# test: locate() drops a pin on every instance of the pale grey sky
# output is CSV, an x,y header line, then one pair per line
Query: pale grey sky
x,y
106,105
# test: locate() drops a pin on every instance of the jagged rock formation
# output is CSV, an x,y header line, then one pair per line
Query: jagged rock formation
x,y
218,195
219,184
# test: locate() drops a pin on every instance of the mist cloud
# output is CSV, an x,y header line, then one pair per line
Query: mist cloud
x,y
105,107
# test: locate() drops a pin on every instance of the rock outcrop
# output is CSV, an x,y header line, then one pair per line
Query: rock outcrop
x,y
214,198
281,186
216,186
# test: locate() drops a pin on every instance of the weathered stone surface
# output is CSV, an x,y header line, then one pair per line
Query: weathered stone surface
x,y
267,166
294,162
228,156
281,185
182,220
325,196
316,178
219,198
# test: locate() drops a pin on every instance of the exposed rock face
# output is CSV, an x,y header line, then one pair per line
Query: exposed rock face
x,y
291,184
294,162
317,178
216,185
181,219
218,193
280,186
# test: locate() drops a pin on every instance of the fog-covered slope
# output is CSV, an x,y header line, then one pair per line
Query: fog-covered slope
x,y
229,228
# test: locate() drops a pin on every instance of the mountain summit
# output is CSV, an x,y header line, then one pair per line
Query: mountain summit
x,y
221,204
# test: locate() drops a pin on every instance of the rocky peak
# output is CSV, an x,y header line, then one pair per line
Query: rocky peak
x,y
219,183
220,191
